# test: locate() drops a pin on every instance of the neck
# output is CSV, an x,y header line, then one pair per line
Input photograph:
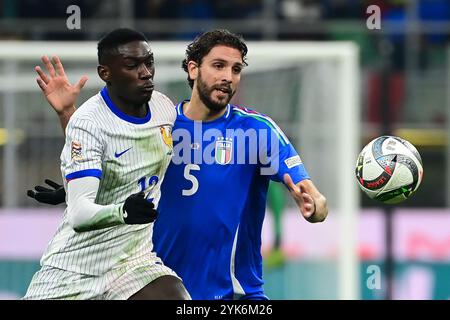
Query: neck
x,y
196,110
138,110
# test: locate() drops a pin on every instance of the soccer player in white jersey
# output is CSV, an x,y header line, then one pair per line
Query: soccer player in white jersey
x,y
117,149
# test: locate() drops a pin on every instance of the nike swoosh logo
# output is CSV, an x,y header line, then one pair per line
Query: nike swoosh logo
x,y
121,153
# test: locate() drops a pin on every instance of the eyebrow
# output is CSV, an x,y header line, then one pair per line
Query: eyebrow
x,y
240,64
144,57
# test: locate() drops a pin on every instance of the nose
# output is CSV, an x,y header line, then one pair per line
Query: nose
x,y
145,72
227,75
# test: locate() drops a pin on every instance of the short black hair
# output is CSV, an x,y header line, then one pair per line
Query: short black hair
x,y
203,44
109,43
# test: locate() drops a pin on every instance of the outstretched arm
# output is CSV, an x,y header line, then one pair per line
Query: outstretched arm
x,y
60,94
84,214
312,204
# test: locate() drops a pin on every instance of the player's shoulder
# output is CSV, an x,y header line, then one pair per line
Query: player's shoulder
x,y
89,110
162,100
250,117
163,104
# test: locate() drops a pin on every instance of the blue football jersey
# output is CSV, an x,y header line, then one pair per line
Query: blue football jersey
x,y
213,201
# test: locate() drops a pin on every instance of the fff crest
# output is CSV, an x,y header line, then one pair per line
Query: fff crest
x,y
166,135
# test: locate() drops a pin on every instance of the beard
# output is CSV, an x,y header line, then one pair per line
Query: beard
x,y
205,94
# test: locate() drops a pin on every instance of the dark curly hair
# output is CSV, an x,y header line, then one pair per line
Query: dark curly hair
x,y
203,44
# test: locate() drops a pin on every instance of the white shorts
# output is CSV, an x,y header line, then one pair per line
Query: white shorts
x,y
119,283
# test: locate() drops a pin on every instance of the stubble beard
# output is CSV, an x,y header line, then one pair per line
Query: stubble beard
x,y
205,94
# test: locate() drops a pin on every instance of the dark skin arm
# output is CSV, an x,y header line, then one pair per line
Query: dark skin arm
x,y
62,96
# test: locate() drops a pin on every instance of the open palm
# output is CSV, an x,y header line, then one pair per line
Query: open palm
x,y
60,93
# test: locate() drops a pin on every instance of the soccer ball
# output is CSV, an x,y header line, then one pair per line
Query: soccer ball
x,y
389,169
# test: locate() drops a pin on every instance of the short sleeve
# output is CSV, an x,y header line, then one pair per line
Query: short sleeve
x,y
280,155
83,150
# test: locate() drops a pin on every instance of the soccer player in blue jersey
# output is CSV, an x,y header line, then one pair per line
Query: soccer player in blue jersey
x,y
211,212
214,192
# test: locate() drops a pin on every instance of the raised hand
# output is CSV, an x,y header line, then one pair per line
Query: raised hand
x,y
55,85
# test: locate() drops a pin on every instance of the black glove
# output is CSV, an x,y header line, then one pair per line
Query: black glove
x,y
138,210
54,196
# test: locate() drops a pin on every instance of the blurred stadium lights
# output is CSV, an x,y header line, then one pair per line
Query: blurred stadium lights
x,y
17,137
431,137
274,27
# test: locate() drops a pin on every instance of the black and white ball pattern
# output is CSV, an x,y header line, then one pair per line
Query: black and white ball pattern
x,y
389,169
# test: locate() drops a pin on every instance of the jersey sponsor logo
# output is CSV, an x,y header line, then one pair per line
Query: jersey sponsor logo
x,y
166,134
223,149
76,151
118,154
293,161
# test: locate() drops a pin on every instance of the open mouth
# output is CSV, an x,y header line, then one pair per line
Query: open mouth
x,y
224,90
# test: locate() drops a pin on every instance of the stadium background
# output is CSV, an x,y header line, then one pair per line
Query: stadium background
x,y
404,89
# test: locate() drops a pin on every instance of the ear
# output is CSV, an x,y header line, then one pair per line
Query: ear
x,y
104,73
193,70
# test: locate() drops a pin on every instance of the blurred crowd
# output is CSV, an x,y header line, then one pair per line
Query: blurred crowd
x,y
280,19
230,9
293,10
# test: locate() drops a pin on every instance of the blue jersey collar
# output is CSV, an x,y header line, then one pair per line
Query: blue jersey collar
x,y
120,113
180,113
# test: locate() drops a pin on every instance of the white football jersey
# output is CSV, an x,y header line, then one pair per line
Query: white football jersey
x,y
128,155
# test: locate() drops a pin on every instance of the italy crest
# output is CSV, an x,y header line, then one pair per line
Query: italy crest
x,y
224,147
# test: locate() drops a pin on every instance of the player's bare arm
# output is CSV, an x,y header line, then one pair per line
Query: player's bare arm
x,y
59,92
312,204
